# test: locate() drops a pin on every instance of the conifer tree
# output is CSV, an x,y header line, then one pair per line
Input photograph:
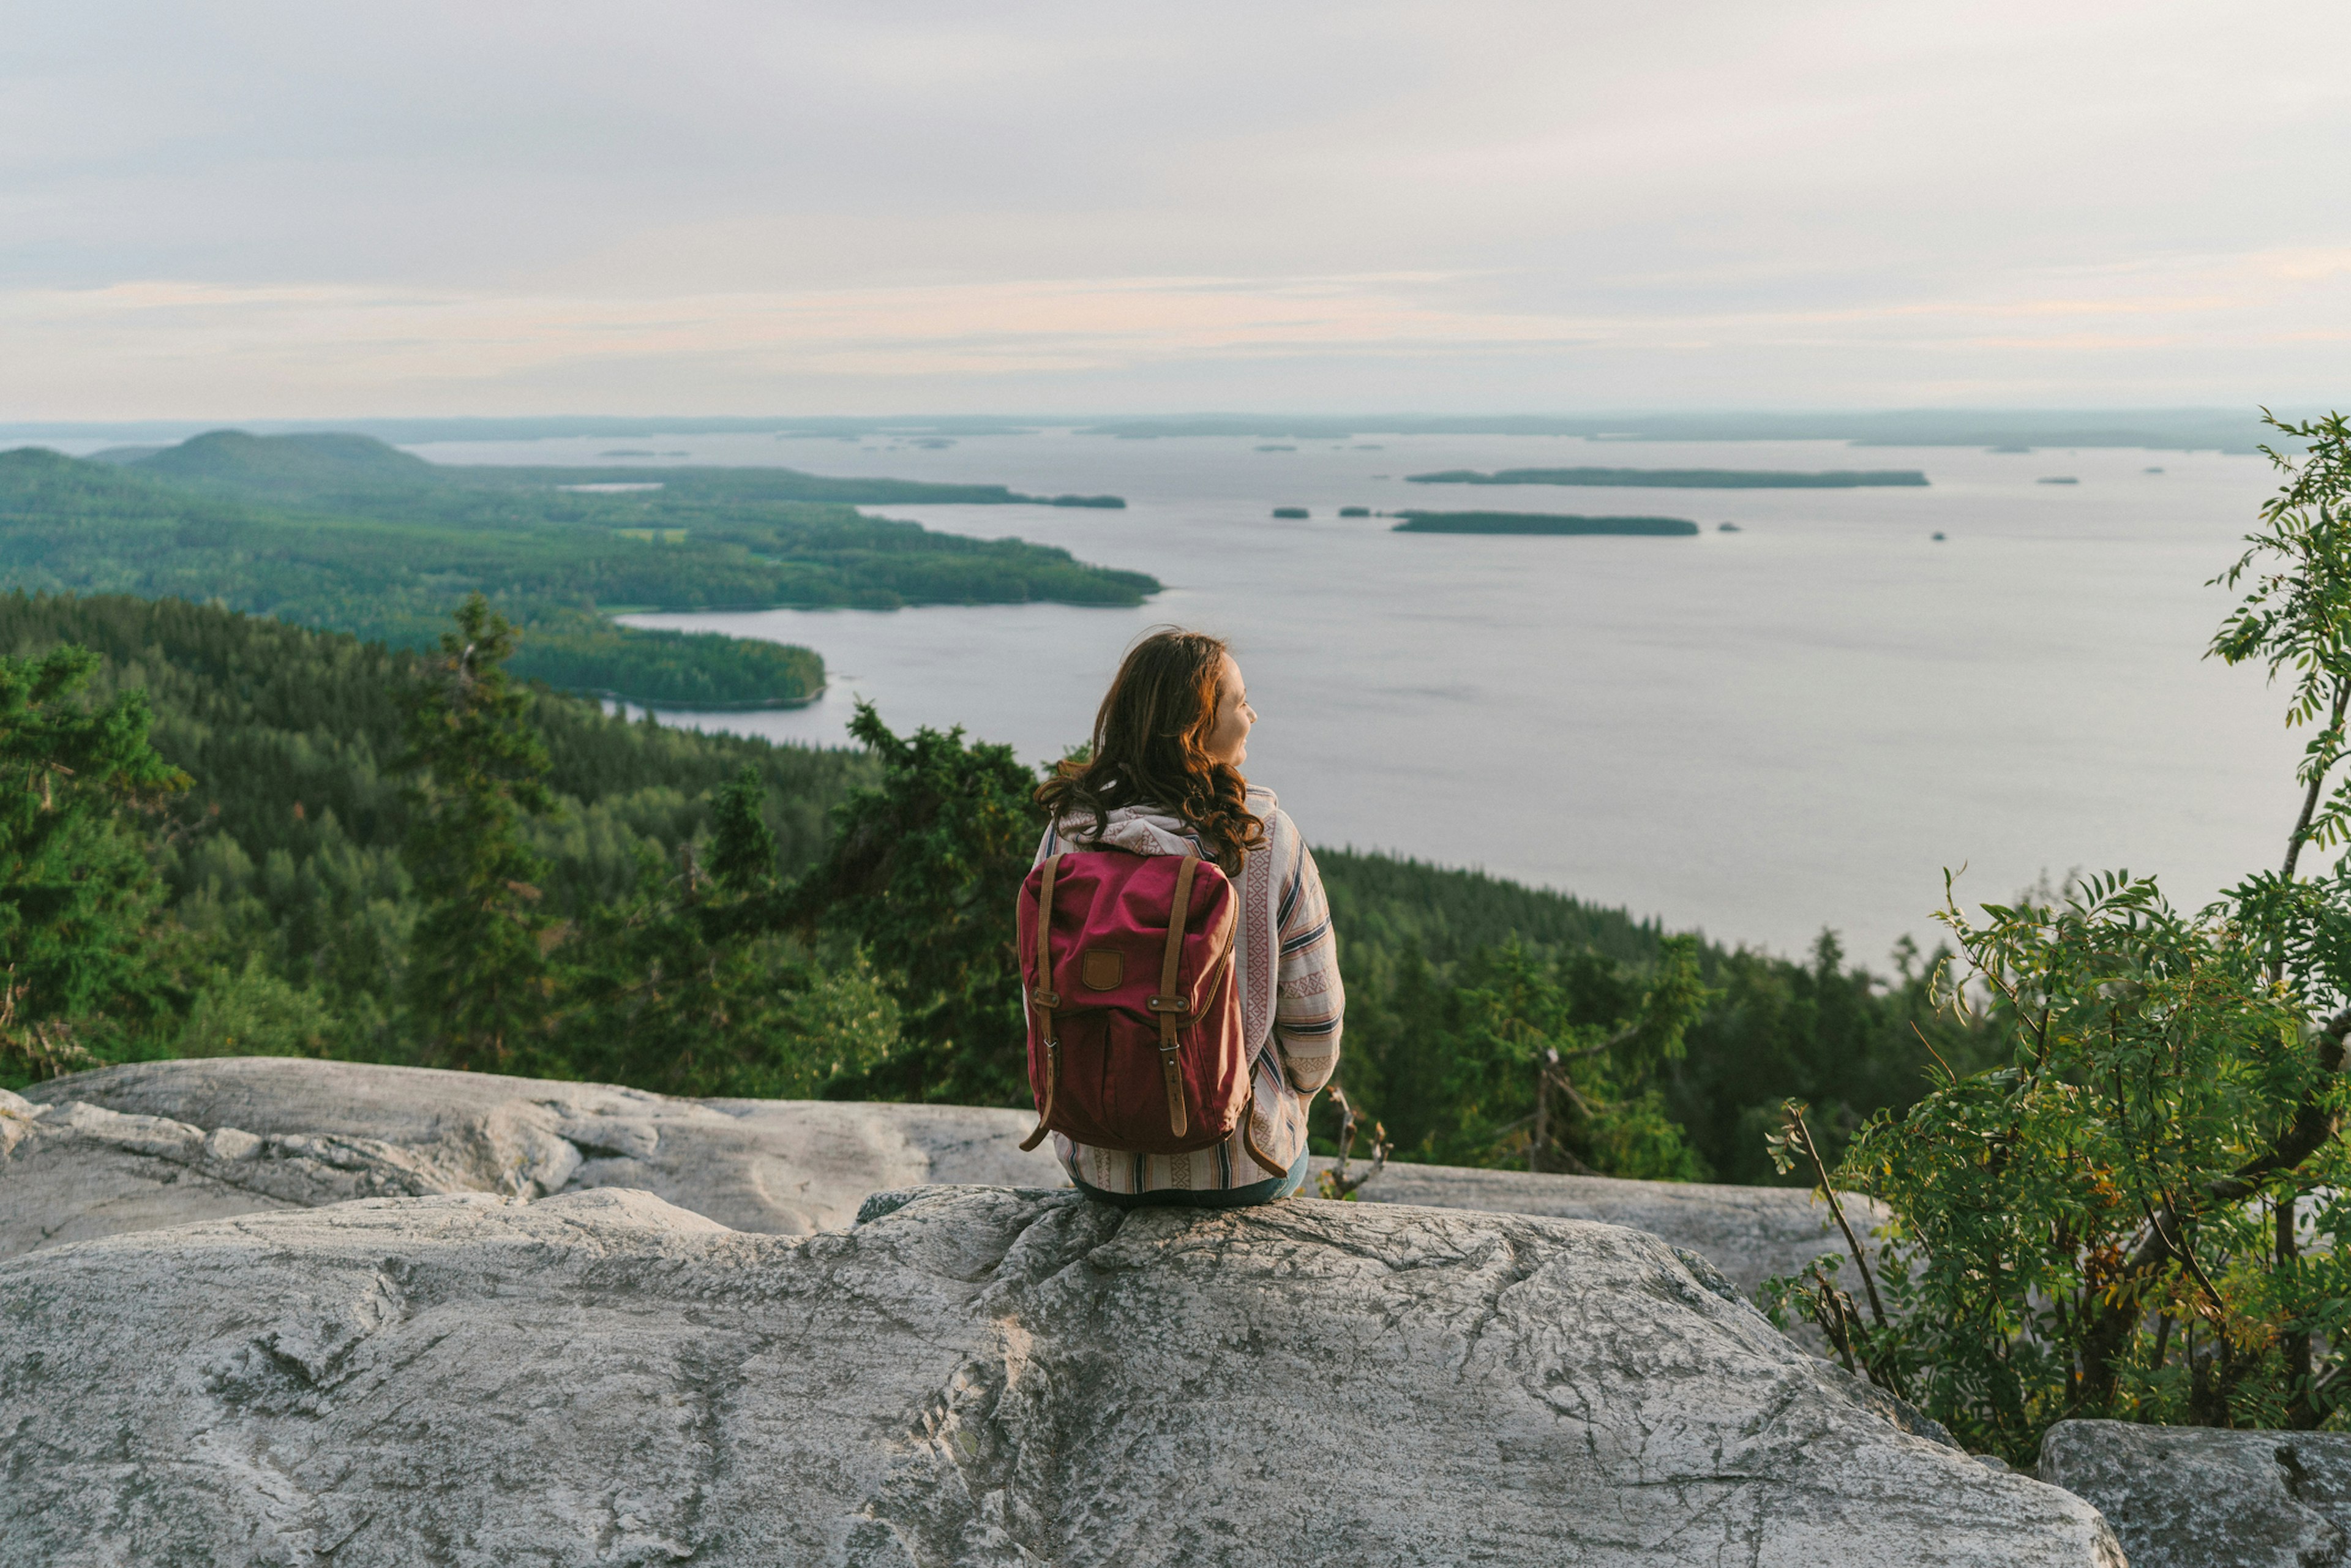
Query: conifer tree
x,y
742,845
478,984
694,987
77,892
1557,1064
922,871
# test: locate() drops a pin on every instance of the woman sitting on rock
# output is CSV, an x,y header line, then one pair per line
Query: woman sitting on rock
x,y
1162,777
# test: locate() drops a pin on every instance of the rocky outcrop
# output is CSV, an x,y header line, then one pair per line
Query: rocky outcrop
x,y
2200,1496
163,1143
973,1375
1748,1232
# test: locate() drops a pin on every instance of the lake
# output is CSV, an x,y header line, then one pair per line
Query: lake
x,y
1757,734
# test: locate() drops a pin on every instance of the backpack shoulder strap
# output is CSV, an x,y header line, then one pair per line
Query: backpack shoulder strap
x,y
1171,1007
1046,1000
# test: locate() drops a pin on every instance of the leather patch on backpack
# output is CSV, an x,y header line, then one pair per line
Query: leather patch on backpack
x,y
1102,968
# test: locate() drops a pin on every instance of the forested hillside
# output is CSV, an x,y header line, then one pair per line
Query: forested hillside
x,y
290,907
1440,963
706,913
347,534
365,475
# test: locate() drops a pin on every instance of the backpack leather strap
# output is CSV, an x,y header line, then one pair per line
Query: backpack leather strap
x,y
1171,1007
1045,999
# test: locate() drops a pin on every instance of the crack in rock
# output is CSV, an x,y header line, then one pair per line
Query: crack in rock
x,y
982,1375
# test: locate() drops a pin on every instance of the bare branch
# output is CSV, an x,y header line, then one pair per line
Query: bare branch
x,y
1802,1136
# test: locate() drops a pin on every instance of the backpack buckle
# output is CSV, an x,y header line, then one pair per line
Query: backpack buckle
x,y
1045,999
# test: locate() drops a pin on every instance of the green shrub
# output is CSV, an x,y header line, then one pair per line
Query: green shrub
x,y
2138,1212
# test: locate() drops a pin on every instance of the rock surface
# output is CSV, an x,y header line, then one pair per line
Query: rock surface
x,y
1748,1232
167,1142
161,1143
973,1376
2198,1497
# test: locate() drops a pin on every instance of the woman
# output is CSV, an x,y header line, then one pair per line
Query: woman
x,y
1163,776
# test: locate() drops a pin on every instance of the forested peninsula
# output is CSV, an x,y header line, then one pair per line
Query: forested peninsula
x,y
1538,523
1682,478
345,533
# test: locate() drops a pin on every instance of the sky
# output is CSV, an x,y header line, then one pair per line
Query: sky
x,y
307,211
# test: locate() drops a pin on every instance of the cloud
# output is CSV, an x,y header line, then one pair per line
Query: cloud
x,y
284,209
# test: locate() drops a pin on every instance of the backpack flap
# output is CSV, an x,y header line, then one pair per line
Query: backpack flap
x,y
1134,1017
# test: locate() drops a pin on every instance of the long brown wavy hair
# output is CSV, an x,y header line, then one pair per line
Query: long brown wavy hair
x,y
1149,748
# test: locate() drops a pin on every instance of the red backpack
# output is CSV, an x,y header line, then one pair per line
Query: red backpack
x,y
1135,1041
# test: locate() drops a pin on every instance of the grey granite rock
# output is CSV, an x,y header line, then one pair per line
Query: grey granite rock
x,y
161,1143
975,1377
1748,1232
2200,1496
198,1139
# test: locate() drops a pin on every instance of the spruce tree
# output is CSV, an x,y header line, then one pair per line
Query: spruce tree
x,y
742,845
78,891
922,871
478,989
693,986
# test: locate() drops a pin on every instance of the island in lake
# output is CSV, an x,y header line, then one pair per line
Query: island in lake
x,y
1681,478
1536,523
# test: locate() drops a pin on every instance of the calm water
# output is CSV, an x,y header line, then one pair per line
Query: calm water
x,y
1760,733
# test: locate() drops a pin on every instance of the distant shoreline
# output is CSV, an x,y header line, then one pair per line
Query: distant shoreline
x,y
1682,478
2231,430
672,705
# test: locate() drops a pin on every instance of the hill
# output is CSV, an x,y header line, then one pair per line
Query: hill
x,y
1389,904
289,909
287,467
289,836
360,473
344,532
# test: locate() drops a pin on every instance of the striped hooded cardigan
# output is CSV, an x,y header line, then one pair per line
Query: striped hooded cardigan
x,y
1287,968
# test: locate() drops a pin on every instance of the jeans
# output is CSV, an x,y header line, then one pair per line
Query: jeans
x,y
1273,1189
